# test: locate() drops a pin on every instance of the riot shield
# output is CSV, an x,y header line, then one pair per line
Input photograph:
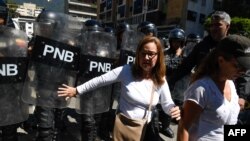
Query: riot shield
x,y
54,61
13,60
130,40
97,57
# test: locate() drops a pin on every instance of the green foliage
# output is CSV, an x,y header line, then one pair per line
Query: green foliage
x,y
207,23
238,26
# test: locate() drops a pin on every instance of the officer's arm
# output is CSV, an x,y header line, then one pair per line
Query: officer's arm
x,y
243,88
184,68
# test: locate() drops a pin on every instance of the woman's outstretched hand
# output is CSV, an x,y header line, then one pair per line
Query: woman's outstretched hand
x,y
66,91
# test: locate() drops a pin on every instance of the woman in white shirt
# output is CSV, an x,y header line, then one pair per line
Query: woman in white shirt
x,y
211,100
137,82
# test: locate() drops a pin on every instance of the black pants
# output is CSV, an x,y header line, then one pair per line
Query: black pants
x,y
9,132
50,122
106,125
90,126
152,133
163,117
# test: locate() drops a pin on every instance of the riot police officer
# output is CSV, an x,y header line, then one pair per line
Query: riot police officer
x,y
52,35
147,28
46,115
98,48
3,13
173,58
120,29
107,118
191,41
13,53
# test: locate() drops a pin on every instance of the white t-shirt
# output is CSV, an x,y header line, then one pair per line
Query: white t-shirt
x,y
135,94
217,110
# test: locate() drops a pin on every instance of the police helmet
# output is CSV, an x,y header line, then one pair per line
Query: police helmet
x,y
49,17
93,25
109,30
147,28
177,34
121,27
3,11
193,37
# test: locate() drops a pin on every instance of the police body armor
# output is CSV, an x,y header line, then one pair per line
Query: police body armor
x,y
13,60
97,57
54,60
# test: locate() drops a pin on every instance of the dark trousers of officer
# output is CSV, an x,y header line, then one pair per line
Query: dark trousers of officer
x,y
106,125
152,130
163,118
90,126
9,132
50,123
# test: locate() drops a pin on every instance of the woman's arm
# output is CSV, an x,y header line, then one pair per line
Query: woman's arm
x,y
191,112
105,79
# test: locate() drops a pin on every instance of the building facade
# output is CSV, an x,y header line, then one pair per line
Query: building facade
x,y
26,13
25,16
82,9
166,14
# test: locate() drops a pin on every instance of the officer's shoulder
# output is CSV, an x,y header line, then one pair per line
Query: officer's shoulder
x,y
205,42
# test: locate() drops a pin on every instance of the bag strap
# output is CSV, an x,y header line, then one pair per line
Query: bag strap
x,y
151,101
151,98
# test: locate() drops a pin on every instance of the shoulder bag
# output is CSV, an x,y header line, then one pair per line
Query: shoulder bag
x,y
127,129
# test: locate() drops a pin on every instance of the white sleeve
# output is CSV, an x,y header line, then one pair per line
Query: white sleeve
x,y
197,92
165,98
105,79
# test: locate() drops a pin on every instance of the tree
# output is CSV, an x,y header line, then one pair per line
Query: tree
x,y
240,26
12,7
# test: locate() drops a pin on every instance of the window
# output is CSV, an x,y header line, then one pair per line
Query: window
x,y
120,2
202,18
102,6
108,16
203,3
121,11
138,7
152,5
191,16
109,4
102,16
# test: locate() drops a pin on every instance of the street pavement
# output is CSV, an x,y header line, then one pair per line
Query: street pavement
x,y
72,130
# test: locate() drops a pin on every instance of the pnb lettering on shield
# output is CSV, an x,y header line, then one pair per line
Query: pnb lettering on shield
x,y
8,70
100,66
63,55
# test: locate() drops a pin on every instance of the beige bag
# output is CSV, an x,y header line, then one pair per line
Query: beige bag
x,y
127,129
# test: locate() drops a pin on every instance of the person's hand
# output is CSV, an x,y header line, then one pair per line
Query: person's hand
x,y
178,52
66,91
241,103
175,113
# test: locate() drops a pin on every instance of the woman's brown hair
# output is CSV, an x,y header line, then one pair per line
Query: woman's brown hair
x,y
159,71
210,65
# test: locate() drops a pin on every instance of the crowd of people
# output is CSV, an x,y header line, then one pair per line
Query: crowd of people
x,y
199,84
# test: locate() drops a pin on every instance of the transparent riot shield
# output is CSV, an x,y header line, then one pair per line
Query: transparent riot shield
x,y
97,57
13,60
54,61
130,40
